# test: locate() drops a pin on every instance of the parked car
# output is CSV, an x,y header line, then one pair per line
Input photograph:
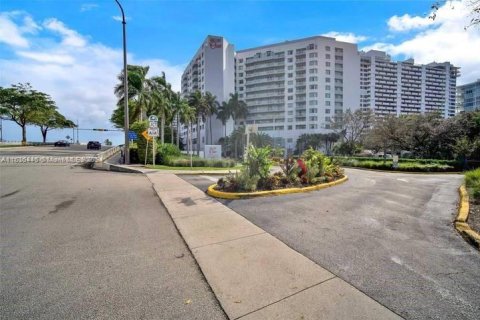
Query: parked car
x,y
62,143
94,145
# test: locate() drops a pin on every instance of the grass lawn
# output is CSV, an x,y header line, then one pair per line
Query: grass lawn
x,y
162,167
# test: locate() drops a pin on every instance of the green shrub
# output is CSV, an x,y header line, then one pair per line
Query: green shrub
x,y
410,165
257,162
472,181
198,162
167,150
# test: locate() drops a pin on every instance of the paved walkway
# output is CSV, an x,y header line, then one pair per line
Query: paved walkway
x,y
253,274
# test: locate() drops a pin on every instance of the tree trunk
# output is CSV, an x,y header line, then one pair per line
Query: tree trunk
x,y
24,135
44,135
162,129
171,132
210,125
198,136
178,132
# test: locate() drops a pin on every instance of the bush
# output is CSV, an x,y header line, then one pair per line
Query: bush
x,y
472,182
167,150
423,165
198,162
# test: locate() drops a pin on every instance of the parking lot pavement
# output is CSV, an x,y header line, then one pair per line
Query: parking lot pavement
x,y
86,244
388,234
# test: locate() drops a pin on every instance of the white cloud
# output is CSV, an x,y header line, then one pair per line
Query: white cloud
x,y
346,36
407,23
444,40
119,18
10,32
79,75
88,6
70,37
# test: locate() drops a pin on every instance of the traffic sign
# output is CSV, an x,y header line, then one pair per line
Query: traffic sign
x,y
132,135
153,132
153,118
146,136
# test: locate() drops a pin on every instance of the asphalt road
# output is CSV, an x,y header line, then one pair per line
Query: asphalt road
x,y
73,150
388,234
84,244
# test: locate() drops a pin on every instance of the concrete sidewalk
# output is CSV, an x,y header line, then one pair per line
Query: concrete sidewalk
x,y
253,274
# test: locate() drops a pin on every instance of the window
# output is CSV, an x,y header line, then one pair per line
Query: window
x,y
313,94
327,71
239,60
327,111
327,119
327,64
241,88
290,60
289,127
338,58
290,82
290,52
289,120
300,127
327,80
241,81
313,87
313,55
240,74
290,90
337,50
239,68
313,110
313,63
338,65
313,126
327,48
327,103
327,87
313,79
290,75
327,56
327,95
289,140
313,118
311,46
313,71
338,96
312,102
290,105
290,67
289,97
290,113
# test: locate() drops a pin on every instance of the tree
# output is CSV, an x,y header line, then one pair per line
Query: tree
x,y
197,102
238,108
161,95
351,127
21,103
211,109
473,5
223,114
388,133
261,140
50,119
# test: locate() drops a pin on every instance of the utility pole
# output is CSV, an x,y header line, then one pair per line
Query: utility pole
x,y
126,159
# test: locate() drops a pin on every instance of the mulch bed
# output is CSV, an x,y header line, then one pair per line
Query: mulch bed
x,y
474,215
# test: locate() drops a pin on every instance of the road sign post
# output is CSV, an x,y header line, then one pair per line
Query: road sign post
x,y
153,132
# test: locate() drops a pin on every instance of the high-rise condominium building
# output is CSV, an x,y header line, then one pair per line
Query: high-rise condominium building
x,y
304,85
212,69
468,97
299,86
397,88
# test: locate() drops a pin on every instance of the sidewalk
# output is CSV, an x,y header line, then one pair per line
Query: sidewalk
x,y
253,274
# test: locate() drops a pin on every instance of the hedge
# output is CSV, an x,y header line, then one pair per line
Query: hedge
x,y
410,166
198,162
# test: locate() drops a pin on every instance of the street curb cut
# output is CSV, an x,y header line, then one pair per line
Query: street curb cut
x,y
399,171
461,224
243,195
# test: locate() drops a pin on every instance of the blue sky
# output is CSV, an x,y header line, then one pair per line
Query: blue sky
x,y
72,49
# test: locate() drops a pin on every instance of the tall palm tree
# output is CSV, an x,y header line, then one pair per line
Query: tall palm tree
x,y
180,111
161,93
138,89
197,102
224,113
239,108
211,109
186,115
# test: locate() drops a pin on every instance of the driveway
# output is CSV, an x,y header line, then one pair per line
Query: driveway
x,y
388,234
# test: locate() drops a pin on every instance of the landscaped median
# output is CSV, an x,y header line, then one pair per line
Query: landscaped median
x,y
242,195
465,209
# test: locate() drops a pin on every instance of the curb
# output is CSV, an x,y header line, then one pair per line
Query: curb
x,y
399,171
461,224
243,195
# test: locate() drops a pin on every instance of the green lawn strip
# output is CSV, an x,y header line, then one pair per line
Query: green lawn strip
x,y
162,167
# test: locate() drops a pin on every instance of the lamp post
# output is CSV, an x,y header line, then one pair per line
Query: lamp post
x,y
126,158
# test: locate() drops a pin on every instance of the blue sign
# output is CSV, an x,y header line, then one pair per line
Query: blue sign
x,y
132,135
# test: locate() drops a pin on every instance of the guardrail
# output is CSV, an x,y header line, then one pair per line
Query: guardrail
x,y
102,156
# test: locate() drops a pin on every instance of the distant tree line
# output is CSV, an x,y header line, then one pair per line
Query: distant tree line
x,y
26,106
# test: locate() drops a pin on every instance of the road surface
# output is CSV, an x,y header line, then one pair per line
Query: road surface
x,y
388,234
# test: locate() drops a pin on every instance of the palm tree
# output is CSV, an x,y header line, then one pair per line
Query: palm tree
x,y
197,102
239,108
211,109
161,93
138,89
186,115
224,113
180,112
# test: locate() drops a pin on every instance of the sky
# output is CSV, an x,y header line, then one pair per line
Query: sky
x,y
72,50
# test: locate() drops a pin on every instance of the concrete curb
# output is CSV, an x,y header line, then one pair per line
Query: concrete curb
x,y
242,195
461,224
399,171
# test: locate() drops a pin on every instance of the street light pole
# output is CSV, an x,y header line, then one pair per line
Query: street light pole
x,y
126,158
